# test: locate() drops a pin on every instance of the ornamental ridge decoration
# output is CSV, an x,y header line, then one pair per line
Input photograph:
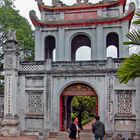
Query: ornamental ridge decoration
x,y
82,1
79,89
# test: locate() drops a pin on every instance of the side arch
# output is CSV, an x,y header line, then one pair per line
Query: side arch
x,y
50,45
112,39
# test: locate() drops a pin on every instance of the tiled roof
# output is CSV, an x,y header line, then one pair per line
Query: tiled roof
x,y
87,22
86,6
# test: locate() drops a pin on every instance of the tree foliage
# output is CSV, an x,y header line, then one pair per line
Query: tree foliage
x,y
84,106
130,69
10,19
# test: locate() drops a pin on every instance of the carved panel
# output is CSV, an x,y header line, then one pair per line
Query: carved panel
x,y
124,98
35,103
17,63
1,105
79,89
125,125
109,97
48,99
34,123
8,93
31,67
8,61
35,81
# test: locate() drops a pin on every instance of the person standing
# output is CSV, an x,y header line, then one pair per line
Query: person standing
x,y
76,122
74,130
98,129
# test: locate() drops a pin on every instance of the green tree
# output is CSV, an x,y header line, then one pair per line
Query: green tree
x,y
130,69
83,107
10,19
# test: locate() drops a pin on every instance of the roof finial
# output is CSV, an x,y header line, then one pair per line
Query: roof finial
x,y
82,1
57,3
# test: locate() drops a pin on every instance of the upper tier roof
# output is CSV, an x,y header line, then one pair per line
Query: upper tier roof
x,y
80,6
87,22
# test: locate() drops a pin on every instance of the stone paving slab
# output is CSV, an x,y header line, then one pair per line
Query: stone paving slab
x,y
84,135
19,138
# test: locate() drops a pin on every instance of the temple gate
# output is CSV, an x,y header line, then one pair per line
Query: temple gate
x,y
35,91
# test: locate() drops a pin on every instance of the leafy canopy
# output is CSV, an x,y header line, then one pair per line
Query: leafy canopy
x,y
84,105
130,69
10,19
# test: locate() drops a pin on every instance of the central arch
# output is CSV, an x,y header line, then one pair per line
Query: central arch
x,y
74,89
77,42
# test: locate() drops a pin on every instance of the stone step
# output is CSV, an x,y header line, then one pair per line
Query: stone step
x,y
65,135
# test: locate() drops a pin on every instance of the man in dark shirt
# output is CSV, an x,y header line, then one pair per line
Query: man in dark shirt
x,y
98,129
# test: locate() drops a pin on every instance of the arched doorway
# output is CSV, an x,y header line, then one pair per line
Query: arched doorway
x,y
75,89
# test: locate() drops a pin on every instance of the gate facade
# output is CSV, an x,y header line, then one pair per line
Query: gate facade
x,y
34,90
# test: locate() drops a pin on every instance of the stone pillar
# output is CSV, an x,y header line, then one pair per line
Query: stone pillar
x,y
100,45
11,65
39,47
60,49
137,131
123,49
109,99
94,46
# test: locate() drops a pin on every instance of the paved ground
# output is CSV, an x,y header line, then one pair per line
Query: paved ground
x,y
85,134
19,138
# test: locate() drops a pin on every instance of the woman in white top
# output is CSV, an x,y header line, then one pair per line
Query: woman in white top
x,y
78,129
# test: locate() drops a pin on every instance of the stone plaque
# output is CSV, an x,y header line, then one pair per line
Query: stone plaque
x,y
34,123
125,125
34,82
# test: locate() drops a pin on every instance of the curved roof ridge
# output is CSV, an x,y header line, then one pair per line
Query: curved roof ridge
x,y
43,7
61,23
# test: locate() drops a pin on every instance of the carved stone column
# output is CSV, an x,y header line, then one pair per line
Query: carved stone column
x,y
11,65
137,132
110,104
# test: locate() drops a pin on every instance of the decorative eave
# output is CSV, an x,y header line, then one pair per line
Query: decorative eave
x,y
50,24
87,6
